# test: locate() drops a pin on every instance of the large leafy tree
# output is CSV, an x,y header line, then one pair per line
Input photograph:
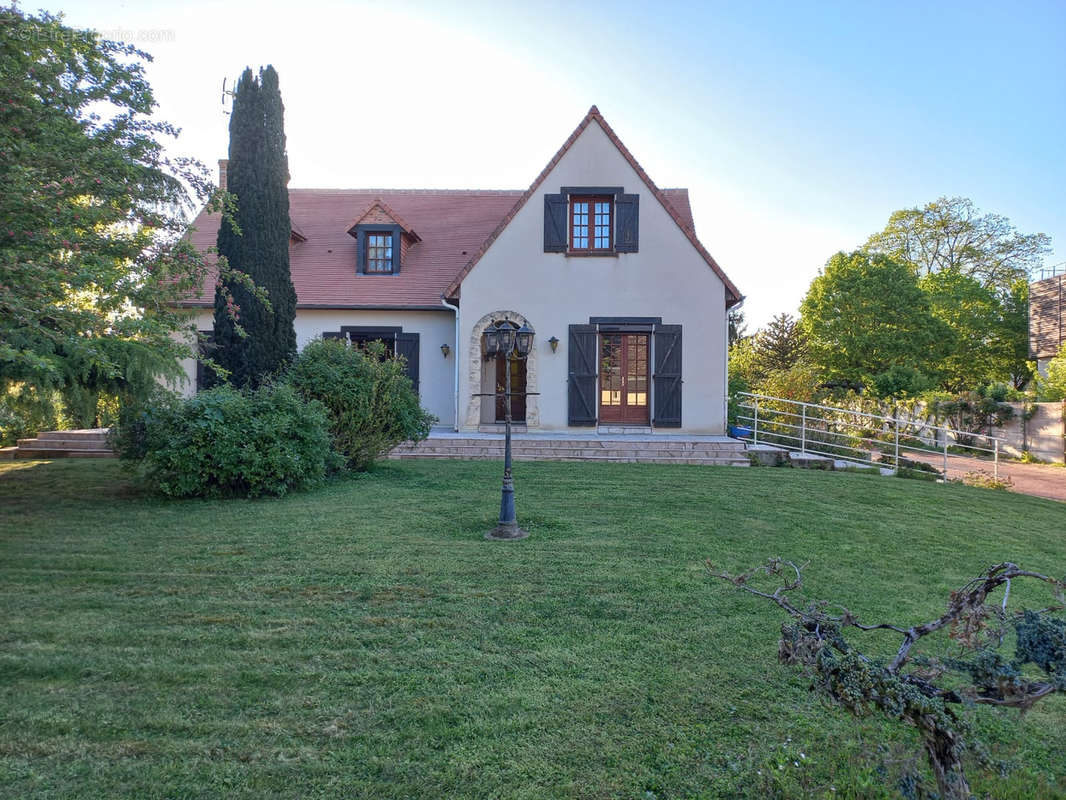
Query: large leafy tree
x,y
973,313
991,336
91,256
865,315
1012,333
952,234
258,176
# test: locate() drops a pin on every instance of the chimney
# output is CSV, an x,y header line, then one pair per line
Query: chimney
x,y
223,163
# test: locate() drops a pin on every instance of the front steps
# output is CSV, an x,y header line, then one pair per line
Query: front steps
x,y
717,450
87,443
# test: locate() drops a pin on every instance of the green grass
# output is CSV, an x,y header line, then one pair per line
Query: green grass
x,y
364,640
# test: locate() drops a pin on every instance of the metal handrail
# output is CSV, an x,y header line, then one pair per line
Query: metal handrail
x,y
771,427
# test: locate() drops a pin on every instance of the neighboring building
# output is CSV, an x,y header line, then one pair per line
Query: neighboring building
x,y
1047,313
628,307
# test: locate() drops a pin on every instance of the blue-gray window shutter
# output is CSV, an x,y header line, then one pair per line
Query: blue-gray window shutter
x,y
407,346
555,228
666,379
627,214
581,355
360,251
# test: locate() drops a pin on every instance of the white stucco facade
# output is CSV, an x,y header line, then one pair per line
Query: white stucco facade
x,y
668,278
436,373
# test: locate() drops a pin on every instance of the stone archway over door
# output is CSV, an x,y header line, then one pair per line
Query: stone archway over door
x,y
482,374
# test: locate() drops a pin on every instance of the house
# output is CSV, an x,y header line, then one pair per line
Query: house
x,y
1047,312
627,306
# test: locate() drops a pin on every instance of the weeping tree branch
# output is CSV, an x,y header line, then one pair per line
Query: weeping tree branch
x,y
907,687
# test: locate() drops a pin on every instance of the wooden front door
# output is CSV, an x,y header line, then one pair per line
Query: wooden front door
x,y
624,378
518,388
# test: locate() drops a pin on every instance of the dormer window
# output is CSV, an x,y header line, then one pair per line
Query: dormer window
x,y
379,252
382,239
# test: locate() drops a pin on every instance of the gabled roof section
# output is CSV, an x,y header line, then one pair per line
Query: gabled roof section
x,y
379,211
296,234
733,295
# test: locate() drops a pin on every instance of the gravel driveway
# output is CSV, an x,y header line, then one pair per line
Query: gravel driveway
x,y
1038,480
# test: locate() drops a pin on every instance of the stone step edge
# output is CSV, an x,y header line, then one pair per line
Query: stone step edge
x,y
578,452
64,444
88,436
46,454
558,444
737,462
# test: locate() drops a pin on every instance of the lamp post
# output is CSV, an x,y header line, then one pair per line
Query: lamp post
x,y
509,344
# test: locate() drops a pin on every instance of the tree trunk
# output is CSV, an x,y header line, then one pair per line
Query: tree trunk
x,y
944,751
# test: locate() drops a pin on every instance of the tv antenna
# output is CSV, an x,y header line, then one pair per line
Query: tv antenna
x,y
227,93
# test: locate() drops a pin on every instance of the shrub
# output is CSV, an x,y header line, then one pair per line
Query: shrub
x,y
899,381
971,413
917,470
371,404
25,410
1053,387
224,442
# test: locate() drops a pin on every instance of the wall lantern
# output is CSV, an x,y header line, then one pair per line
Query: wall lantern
x,y
445,350
554,342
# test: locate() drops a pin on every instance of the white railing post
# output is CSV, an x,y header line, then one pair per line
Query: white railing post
x,y
897,443
995,464
755,440
945,431
803,429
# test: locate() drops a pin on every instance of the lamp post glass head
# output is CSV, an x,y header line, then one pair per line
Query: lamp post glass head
x,y
524,341
491,339
506,339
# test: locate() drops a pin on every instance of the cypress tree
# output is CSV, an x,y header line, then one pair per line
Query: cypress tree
x,y
258,175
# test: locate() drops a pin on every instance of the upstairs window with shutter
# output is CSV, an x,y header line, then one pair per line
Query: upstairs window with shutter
x,y
591,224
591,221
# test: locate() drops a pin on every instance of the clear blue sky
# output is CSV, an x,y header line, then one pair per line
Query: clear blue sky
x,y
798,127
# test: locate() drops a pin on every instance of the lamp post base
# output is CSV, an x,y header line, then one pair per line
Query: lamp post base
x,y
506,532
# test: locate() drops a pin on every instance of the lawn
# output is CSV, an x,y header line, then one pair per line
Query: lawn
x,y
364,640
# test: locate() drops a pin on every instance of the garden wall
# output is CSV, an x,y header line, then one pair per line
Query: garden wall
x,y
1042,434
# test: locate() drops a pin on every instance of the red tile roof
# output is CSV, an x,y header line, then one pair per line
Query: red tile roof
x,y
453,225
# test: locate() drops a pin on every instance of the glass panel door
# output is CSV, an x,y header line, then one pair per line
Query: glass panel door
x,y
624,378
